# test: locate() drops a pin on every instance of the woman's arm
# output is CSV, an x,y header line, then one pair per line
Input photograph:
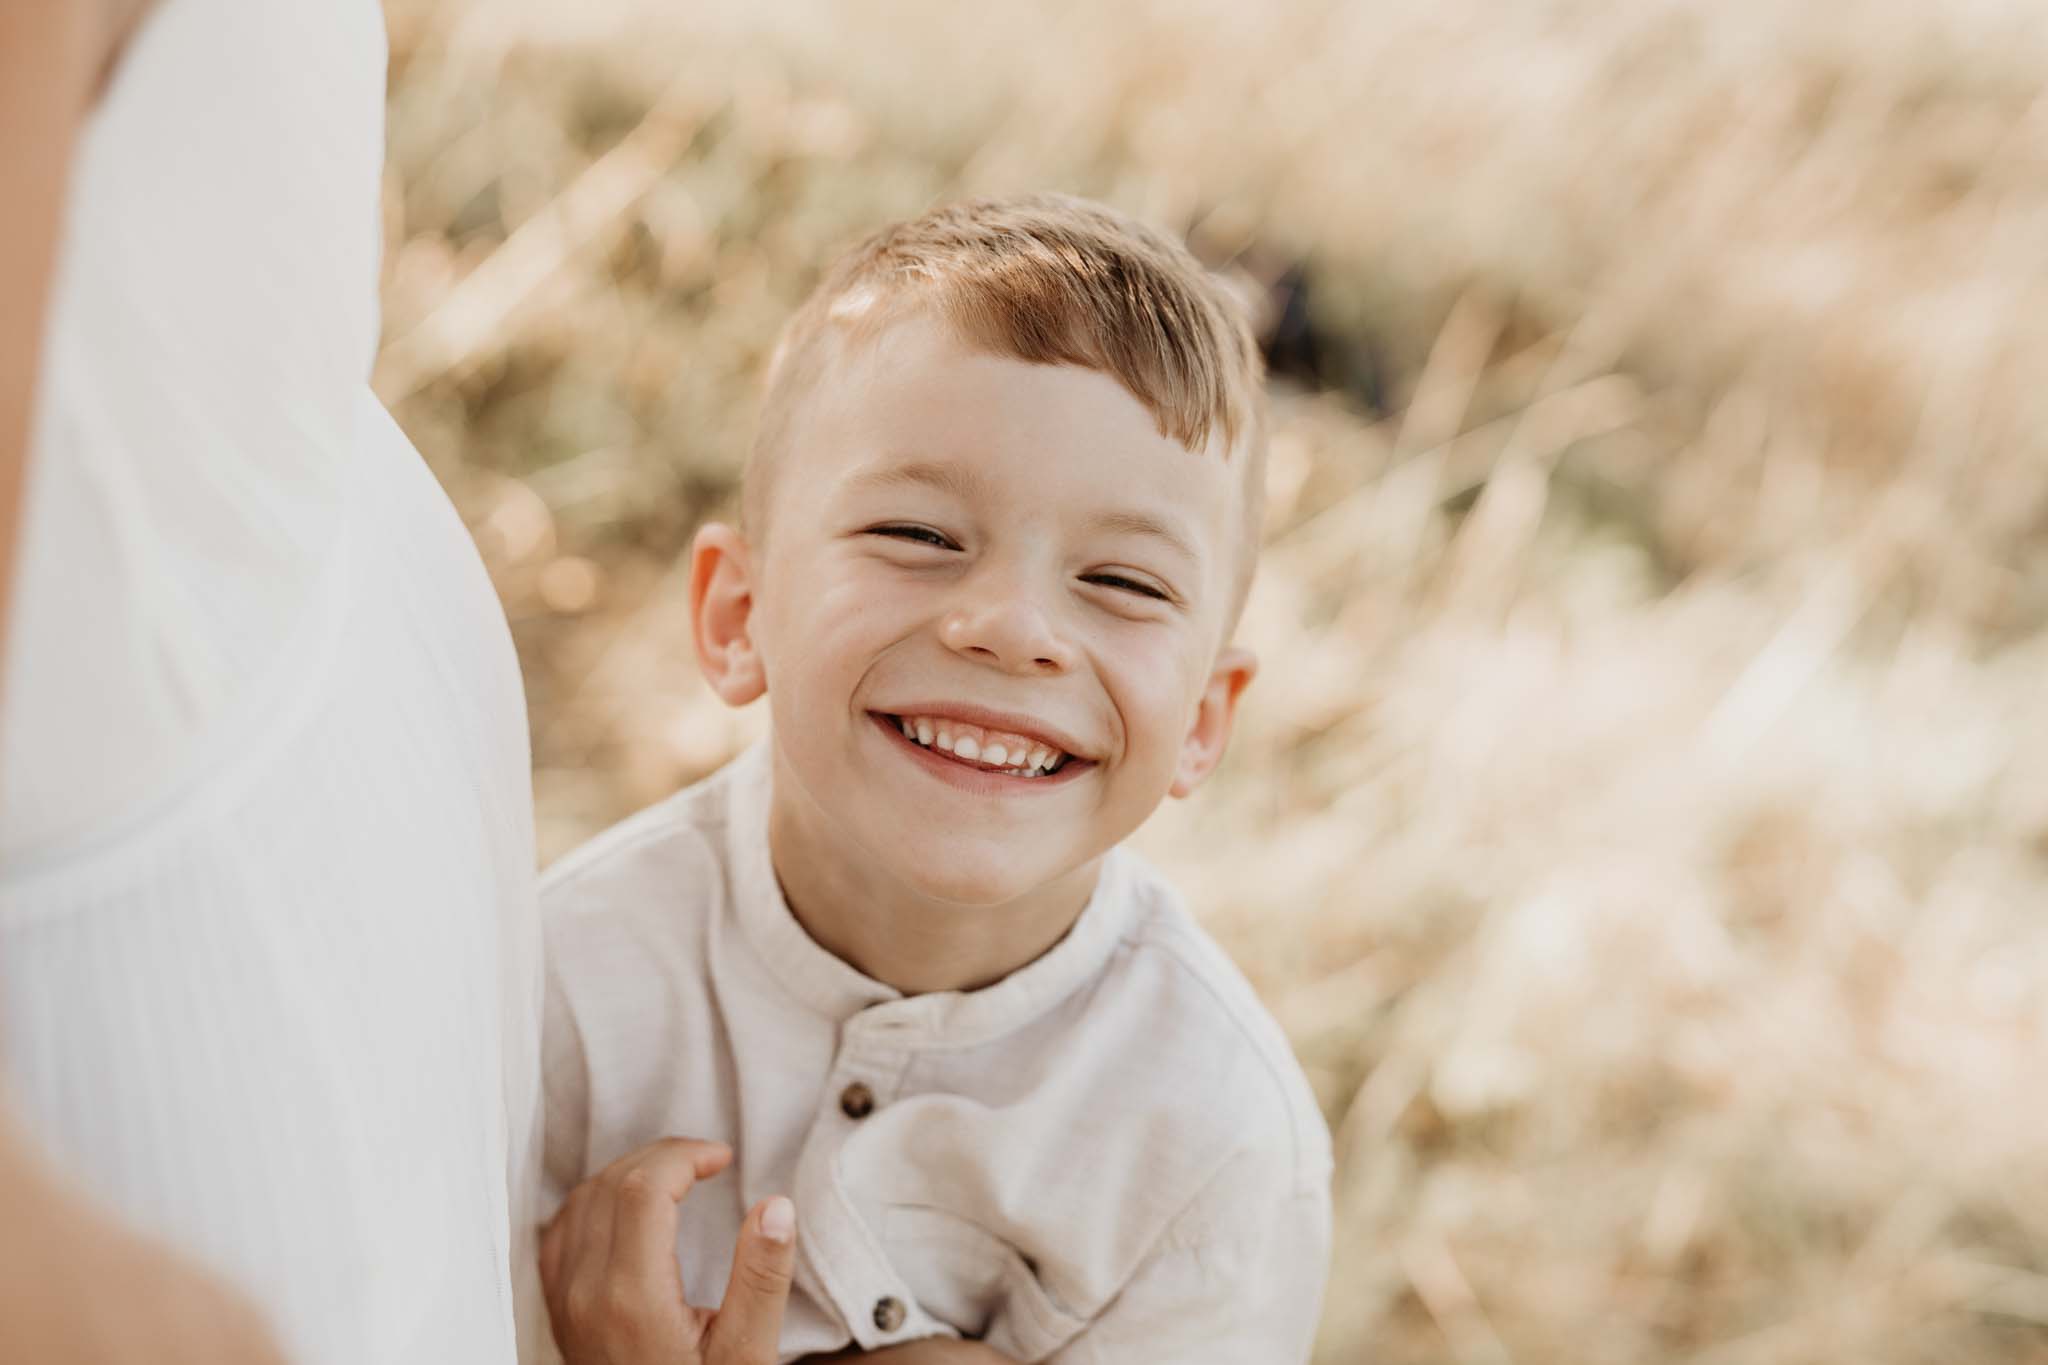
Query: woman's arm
x,y
49,62
75,1287
62,1263
55,55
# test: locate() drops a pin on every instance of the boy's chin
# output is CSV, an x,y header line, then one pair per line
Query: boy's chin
x,y
972,884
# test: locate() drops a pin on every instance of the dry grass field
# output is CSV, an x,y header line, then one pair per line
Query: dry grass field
x,y
1641,823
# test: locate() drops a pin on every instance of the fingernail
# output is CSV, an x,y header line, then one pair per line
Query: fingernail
x,y
778,1220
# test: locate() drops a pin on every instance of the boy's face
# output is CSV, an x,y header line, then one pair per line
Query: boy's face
x,y
1005,558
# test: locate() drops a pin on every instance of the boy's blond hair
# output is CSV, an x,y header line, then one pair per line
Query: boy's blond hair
x,y
1051,280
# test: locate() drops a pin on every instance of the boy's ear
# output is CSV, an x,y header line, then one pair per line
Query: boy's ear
x,y
1214,715
721,614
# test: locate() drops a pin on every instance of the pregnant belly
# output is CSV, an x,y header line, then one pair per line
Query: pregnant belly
x,y
287,1024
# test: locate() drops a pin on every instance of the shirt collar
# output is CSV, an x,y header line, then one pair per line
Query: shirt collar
x,y
828,986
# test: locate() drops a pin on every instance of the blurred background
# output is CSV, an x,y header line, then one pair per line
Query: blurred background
x,y
1641,824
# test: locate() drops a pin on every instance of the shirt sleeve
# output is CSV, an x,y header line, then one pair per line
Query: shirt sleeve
x,y
1238,1277
565,1100
565,1127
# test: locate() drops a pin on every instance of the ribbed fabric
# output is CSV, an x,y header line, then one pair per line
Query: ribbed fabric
x,y
269,980
289,1020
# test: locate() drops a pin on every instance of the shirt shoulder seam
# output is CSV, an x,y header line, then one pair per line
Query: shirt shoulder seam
x,y
1166,929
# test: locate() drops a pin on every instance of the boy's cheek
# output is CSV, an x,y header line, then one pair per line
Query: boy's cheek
x,y
1158,696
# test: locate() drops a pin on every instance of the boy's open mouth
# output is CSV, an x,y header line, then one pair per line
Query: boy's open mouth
x,y
980,749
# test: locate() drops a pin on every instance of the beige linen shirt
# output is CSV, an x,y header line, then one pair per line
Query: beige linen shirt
x,y
1108,1156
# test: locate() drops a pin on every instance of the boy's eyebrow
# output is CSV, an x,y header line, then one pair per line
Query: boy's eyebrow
x,y
1133,523
962,483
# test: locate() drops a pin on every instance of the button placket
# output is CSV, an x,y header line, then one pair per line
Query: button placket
x,y
872,1059
874,1056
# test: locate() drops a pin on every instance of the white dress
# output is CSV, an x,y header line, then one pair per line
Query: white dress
x,y
269,972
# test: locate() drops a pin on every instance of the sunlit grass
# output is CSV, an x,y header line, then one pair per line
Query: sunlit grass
x,y
1641,821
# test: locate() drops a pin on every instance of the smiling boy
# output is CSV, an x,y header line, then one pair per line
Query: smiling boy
x,y
998,527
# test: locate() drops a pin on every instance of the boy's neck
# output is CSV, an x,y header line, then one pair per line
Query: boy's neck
x,y
887,932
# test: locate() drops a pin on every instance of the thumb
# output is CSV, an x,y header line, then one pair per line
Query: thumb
x,y
748,1327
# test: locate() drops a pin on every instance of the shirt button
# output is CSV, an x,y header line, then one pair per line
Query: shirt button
x,y
857,1102
889,1313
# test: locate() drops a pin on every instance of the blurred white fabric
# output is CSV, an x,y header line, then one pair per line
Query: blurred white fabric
x,y
268,959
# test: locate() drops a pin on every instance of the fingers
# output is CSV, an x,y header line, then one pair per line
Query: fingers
x,y
748,1326
645,1200
551,1255
705,1158
557,1242
586,1235
618,1228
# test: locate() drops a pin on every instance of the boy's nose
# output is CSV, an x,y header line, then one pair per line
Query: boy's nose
x,y
1008,632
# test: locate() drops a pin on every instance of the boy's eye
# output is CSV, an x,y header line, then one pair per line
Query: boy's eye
x,y
921,535
1122,584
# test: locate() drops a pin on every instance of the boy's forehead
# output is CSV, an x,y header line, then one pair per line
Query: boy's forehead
x,y
915,405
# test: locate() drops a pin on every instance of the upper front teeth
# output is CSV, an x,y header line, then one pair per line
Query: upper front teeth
x,y
987,748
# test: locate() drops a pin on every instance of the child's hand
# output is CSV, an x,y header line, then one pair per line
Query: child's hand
x,y
927,1351
615,1291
